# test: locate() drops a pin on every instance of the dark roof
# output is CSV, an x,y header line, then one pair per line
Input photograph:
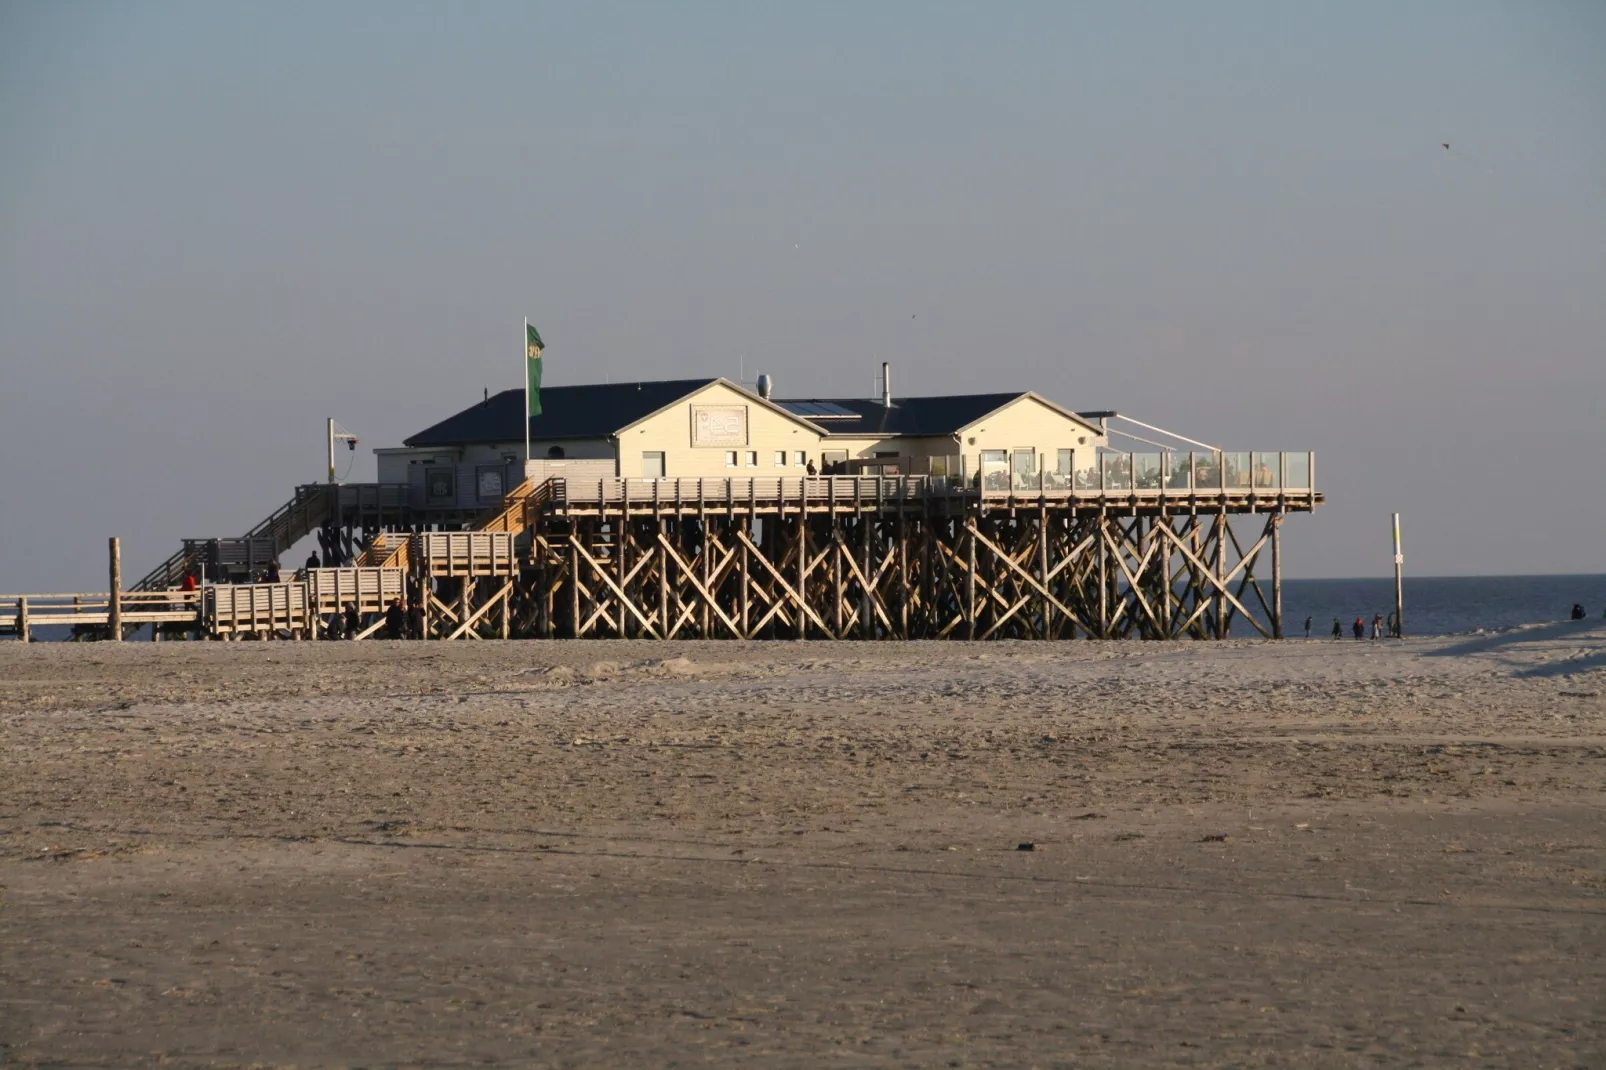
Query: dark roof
x,y
907,416
594,411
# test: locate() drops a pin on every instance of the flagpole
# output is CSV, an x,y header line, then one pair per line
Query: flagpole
x,y
524,346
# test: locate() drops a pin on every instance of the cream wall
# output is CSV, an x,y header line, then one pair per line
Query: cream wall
x,y
1027,423
670,432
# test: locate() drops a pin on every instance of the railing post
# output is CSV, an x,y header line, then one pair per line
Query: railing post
x,y
114,608
22,618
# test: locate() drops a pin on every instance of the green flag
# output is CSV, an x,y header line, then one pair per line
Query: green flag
x,y
532,368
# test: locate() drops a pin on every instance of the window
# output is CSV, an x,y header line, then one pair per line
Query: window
x,y
652,465
730,458
1023,467
800,459
441,484
752,458
488,480
994,469
780,458
1064,470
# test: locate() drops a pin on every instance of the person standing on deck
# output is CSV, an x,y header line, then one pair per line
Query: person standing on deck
x,y
1307,627
812,471
312,561
273,571
1338,629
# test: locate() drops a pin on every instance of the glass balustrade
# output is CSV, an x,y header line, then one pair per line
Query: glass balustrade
x,y
1117,469
1296,471
1238,471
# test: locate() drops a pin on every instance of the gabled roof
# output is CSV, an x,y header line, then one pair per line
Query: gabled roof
x,y
600,410
913,416
592,411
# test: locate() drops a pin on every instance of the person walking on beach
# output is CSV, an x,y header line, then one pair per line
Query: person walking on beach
x,y
1359,628
1307,627
415,620
395,620
1578,612
353,621
1338,629
1377,625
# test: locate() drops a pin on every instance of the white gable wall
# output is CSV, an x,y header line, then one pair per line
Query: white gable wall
x,y
761,433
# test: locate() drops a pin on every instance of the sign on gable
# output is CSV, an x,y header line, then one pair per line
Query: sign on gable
x,y
719,425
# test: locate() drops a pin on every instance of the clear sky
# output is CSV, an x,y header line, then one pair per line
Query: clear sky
x,y
220,223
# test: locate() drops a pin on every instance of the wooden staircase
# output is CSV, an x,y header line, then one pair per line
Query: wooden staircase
x,y
309,510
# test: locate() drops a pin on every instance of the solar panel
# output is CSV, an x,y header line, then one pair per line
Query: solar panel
x,y
819,410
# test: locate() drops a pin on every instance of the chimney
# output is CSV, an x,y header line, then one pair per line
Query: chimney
x,y
886,384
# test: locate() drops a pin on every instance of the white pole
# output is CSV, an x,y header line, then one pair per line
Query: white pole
x,y
1399,583
526,350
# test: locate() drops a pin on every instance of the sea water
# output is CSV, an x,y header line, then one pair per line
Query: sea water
x,y
1434,605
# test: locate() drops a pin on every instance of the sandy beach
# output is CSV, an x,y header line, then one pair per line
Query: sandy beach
x,y
802,854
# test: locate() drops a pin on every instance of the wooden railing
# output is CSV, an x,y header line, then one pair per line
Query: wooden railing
x,y
511,515
309,509
261,608
21,613
369,589
715,490
1285,477
464,553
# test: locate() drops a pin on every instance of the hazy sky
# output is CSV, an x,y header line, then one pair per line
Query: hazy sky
x,y
220,223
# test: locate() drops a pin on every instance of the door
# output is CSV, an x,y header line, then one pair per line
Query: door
x,y
652,465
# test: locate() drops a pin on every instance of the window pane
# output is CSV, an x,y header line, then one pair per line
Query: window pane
x,y
800,459
780,458
1023,467
752,458
994,469
730,458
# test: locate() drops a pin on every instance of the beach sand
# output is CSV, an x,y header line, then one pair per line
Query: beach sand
x,y
802,854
